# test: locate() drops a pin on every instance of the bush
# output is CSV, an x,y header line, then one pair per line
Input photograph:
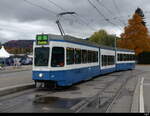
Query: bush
x,y
1,65
144,58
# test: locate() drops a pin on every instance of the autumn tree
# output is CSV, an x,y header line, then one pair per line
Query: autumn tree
x,y
135,36
139,11
103,38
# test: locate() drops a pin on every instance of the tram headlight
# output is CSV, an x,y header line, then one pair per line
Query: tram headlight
x,y
40,75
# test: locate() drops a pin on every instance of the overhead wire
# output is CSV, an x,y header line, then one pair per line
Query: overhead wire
x,y
109,11
43,8
101,14
46,9
140,3
82,19
118,10
58,6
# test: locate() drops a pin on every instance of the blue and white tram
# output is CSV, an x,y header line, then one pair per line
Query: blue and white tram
x,y
66,60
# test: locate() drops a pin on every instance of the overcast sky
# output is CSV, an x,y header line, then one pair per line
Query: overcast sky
x,y
20,19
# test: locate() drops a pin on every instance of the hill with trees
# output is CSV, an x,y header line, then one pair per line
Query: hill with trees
x,y
19,46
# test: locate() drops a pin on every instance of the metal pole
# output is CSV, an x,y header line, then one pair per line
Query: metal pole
x,y
60,28
115,43
58,22
116,50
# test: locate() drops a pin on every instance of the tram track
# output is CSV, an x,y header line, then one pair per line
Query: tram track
x,y
107,103
114,98
83,104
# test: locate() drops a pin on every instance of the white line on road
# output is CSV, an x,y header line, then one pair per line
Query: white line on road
x,y
141,96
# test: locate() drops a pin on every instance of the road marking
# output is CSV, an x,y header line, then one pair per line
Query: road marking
x,y
141,96
135,103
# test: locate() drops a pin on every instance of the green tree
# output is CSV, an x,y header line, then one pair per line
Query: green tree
x,y
103,38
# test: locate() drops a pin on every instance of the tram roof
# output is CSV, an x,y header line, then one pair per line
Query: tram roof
x,y
73,39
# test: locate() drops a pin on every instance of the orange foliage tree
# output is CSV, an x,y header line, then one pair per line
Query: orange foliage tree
x,y
135,36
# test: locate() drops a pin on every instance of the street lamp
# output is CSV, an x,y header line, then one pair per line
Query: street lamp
x,y
58,22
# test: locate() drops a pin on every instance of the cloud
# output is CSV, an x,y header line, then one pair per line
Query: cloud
x,y
22,20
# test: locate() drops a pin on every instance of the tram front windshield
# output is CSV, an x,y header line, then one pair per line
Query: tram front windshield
x,y
41,56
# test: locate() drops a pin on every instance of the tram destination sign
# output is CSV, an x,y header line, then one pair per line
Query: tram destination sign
x,y
42,39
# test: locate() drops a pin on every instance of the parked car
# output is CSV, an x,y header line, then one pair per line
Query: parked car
x,y
26,61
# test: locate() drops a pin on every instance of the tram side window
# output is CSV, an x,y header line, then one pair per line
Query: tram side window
x,y
103,64
134,57
77,56
90,57
112,62
95,56
57,57
70,56
118,57
84,56
102,60
105,60
130,57
108,60
121,57
124,57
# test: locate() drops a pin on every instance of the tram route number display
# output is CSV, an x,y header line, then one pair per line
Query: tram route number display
x,y
42,39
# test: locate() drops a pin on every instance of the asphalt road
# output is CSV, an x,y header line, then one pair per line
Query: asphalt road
x,y
15,78
64,100
146,86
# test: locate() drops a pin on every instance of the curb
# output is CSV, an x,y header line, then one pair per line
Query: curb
x,y
3,72
135,103
14,89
